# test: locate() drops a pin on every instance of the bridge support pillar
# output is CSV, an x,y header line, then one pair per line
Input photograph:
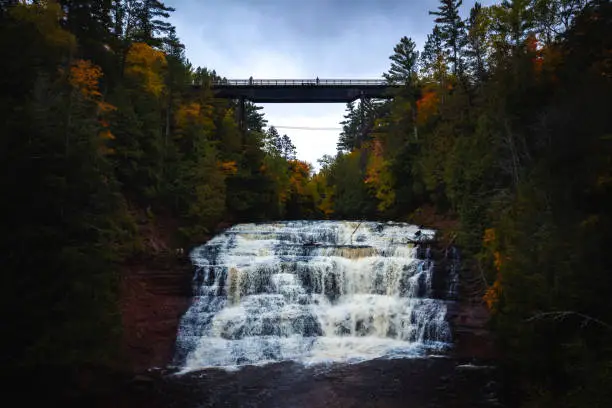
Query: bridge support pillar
x,y
362,109
242,114
362,118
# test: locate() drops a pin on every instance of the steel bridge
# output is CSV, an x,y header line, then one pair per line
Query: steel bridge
x,y
300,91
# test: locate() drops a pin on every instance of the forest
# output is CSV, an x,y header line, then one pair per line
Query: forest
x,y
502,125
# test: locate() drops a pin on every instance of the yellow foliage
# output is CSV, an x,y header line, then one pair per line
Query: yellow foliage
x,y
323,194
186,113
106,134
228,167
194,114
489,235
146,65
45,15
379,177
497,260
84,77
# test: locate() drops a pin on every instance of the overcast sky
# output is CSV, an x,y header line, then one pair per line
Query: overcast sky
x,y
270,39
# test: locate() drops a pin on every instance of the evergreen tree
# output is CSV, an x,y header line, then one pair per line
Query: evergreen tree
x,y
477,50
403,65
350,129
287,148
273,142
452,30
153,29
434,57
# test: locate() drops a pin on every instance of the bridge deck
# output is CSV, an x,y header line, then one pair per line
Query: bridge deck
x,y
302,90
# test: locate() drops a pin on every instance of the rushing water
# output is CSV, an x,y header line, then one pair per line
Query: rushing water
x,y
313,291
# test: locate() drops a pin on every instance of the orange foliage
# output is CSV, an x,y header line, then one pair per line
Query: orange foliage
x,y
375,164
497,260
298,178
84,77
187,112
493,294
489,242
532,43
533,47
489,236
106,134
427,106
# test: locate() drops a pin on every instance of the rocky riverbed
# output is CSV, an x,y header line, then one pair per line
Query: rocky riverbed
x,y
406,383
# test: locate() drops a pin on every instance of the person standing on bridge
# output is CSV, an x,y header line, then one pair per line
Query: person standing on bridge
x,y
317,80
251,81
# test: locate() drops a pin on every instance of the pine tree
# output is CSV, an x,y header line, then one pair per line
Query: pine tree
x,y
350,129
514,19
452,30
478,25
287,148
404,61
153,29
434,57
273,142
255,120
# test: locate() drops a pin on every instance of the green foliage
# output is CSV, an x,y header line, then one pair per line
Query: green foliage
x,y
352,200
358,124
517,147
403,65
100,121
98,116
451,31
63,224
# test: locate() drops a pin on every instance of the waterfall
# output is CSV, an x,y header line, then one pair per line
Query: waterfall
x,y
312,291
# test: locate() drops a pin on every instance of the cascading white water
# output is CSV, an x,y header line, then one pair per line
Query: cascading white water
x,y
311,291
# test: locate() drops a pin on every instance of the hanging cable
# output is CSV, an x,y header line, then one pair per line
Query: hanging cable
x,y
304,128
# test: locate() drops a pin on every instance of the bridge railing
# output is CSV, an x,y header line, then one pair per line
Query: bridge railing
x,y
298,82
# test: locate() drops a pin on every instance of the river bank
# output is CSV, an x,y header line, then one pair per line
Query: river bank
x,y
406,383
156,291
469,317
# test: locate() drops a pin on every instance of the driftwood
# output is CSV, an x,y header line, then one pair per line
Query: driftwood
x,y
355,230
450,243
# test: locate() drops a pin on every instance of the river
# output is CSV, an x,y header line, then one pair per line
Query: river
x,y
319,314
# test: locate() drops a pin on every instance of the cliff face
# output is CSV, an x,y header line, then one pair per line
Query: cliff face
x,y
470,317
471,337
154,295
156,291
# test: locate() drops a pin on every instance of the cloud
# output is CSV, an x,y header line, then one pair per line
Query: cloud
x,y
300,39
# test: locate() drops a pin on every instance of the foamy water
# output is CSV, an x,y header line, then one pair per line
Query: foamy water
x,y
311,291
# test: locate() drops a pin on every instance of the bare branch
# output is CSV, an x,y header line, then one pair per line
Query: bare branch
x,y
561,315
